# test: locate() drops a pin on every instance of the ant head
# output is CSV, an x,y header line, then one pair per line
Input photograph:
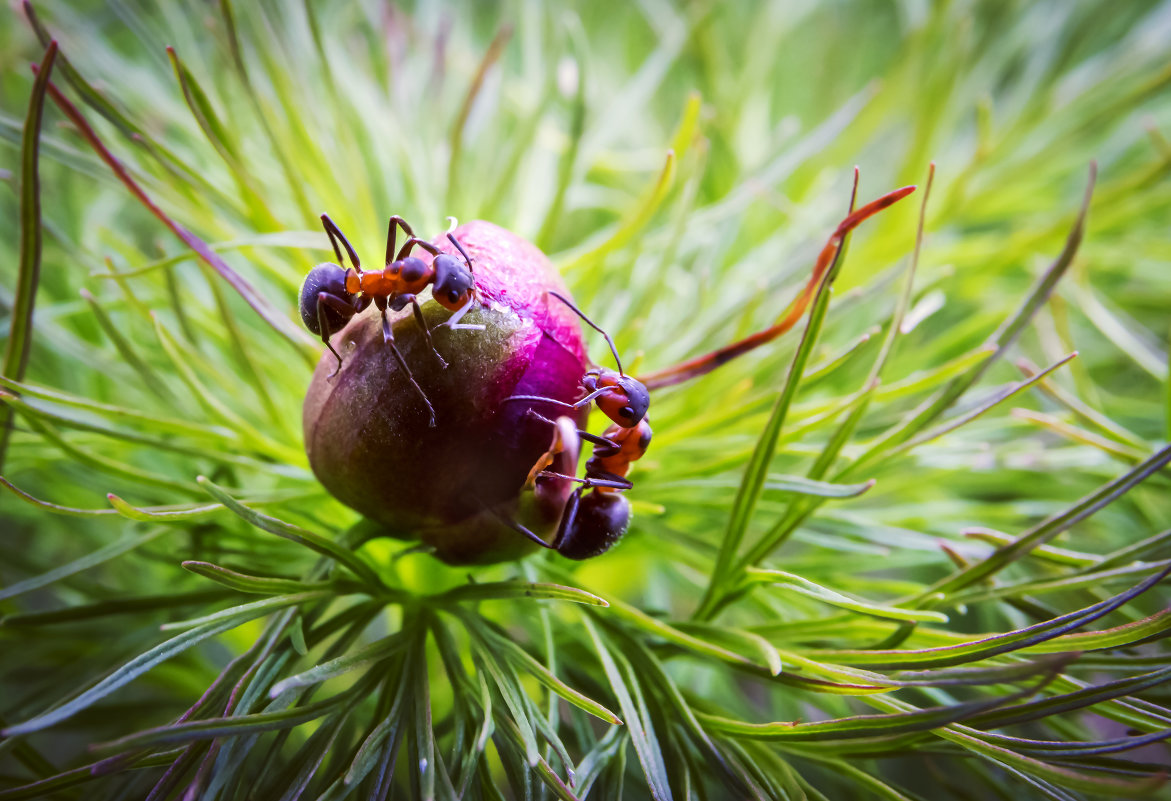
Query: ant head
x,y
628,400
454,282
600,520
411,273
328,279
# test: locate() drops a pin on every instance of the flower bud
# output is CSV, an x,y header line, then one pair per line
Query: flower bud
x,y
456,485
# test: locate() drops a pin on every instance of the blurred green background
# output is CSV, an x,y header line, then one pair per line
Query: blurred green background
x,y
556,121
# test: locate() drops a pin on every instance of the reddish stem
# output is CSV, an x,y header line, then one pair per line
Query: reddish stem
x,y
702,365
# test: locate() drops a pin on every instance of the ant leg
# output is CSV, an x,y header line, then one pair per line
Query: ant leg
x,y
568,518
388,338
592,325
602,447
515,526
327,301
454,323
324,329
413,242
565,439
584,435
576,405
392,234
591,482
335,234
418,312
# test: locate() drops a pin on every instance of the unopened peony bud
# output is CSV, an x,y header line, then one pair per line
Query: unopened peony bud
x,y
456,485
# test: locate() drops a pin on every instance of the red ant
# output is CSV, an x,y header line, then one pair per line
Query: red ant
x,y
590,525
332,294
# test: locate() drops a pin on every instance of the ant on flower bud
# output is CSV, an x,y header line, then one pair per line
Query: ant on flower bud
x,y
592,523
332,294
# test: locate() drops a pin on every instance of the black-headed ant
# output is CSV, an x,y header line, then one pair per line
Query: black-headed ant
x,y
332,294
591,523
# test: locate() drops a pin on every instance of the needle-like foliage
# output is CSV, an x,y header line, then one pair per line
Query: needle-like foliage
x,y
914,549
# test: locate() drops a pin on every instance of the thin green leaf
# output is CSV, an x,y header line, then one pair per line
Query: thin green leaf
x,y
236,726
260,585
52,507
995,645
519,657
129,672
313,541
503,590
805,587
362,658
251,610
857,726
121,606
20,326
150,377
101,555
642,736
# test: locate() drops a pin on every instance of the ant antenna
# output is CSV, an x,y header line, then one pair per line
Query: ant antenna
x,y
334,234
460,247
452,224
593,325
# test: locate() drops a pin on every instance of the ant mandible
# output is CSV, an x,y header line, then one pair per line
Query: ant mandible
x,y
332,294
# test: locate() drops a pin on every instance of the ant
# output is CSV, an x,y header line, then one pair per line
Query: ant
x,y
332,294
590,525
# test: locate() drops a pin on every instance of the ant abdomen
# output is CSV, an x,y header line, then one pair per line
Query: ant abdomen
x,y
330,279
599,521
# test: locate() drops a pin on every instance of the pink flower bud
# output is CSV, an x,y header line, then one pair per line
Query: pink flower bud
x,y
454,486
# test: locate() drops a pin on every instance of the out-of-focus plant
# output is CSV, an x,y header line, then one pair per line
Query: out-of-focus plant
x,y
912,551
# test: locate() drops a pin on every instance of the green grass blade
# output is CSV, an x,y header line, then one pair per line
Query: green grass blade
x,y
804,586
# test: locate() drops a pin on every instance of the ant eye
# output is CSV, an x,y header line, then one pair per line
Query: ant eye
x,y
453,295
626,411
